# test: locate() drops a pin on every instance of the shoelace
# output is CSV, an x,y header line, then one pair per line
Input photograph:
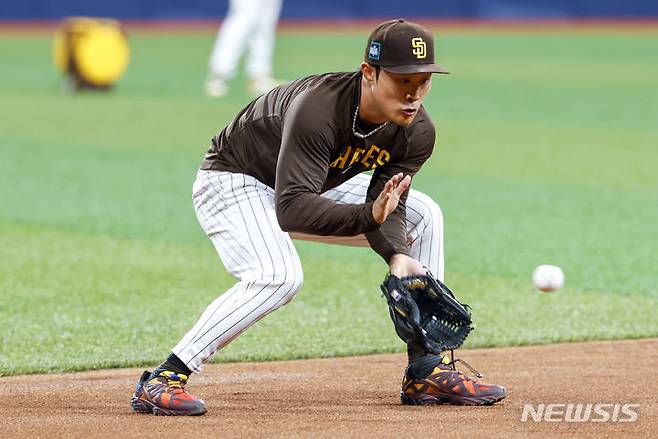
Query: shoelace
x,y
175,381
454,361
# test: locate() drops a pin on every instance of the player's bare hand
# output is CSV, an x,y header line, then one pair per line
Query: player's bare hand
x,y
389,197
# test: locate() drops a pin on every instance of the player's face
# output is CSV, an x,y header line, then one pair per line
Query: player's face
x,y
399,96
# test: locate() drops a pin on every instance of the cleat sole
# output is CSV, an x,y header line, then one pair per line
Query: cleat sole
x,y
427,399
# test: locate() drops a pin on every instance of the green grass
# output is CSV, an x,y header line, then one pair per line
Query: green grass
x,y
546,153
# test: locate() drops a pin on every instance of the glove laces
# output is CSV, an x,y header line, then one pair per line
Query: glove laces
x,y
454,361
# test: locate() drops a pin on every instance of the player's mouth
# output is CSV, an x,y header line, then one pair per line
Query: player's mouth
x,y
409,111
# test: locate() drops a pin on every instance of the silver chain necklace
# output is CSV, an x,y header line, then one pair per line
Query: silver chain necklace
x,y
363,136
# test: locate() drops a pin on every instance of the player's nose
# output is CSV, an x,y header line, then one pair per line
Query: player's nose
x,y
413,95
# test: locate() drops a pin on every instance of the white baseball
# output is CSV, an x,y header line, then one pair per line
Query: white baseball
x,y
548,278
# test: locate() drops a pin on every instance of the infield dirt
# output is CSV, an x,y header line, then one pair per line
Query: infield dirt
x,y
348,397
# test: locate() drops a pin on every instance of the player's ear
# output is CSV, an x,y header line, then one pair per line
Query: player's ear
x,y
368,72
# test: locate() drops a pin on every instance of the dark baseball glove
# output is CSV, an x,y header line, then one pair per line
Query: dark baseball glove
x,y
425,313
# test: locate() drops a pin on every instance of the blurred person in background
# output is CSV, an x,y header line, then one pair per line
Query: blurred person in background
x,y
250,25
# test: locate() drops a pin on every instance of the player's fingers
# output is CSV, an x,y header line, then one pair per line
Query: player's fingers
x,y
403,186
394,180
388,187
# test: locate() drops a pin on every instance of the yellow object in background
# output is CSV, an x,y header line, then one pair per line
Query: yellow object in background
x,y
94,53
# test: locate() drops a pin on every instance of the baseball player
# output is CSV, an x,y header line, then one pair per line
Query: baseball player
x,y
290,165
249,27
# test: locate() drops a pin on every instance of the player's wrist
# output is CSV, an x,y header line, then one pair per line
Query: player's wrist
x,y
397,265
378,214
402,265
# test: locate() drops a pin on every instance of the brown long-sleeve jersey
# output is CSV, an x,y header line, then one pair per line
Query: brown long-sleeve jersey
x,y
298,139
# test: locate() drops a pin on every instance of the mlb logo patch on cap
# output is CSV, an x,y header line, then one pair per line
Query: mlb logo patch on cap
x,y
375,51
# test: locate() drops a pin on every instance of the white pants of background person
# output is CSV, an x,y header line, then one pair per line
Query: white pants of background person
x,y
238,214
250,25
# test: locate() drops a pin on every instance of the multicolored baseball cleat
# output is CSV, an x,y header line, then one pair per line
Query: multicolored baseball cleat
x,y
446,385
164,394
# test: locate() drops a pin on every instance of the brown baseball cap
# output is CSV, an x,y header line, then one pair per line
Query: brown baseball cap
x,y
403,47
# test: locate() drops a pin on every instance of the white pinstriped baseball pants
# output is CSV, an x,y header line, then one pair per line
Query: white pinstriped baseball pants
x,y
238,214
